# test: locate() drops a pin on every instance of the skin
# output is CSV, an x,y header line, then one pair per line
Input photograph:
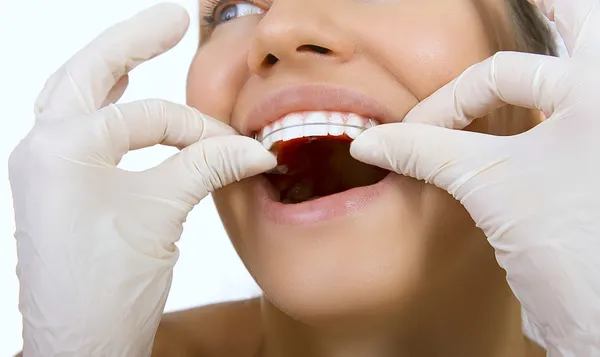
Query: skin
x,y
412,274
409,276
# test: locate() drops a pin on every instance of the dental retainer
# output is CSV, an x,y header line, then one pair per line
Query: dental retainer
x,y
300,129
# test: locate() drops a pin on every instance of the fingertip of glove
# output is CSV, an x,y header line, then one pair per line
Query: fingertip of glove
x,y
171,11
267,159
366,146
246,152
167,18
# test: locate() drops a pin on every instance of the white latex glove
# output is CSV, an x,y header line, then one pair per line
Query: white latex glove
x,y
536,195
96,244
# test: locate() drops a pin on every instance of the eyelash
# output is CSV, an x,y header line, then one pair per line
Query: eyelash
x,y
211,7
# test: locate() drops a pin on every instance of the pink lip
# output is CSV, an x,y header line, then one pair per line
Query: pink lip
x,y
312,97
319,210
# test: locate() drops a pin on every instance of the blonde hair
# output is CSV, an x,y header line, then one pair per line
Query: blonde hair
x,y
524,30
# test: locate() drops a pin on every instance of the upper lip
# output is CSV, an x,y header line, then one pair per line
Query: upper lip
x,y
312,97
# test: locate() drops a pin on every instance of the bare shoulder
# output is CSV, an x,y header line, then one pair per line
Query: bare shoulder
x,y
224,329
230,329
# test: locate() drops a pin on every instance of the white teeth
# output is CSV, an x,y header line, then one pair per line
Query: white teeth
x,y
336,128
356,123
315,130
268,142
276,135
310,124
292,125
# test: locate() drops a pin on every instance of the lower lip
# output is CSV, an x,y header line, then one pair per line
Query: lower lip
x,y
318,210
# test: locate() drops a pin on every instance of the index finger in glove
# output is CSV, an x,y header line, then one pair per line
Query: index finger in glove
x,y
82,85
578,23
443,157
209,165
146,123
520,79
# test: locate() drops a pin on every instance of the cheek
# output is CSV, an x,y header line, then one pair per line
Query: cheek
x,y
217,74
433,47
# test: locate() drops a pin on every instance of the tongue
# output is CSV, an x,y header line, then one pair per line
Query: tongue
x,y
300,192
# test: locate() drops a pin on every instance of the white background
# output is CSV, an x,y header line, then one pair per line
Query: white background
x,y
36,37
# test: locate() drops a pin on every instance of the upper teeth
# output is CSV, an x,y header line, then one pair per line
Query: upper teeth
x,y
298,125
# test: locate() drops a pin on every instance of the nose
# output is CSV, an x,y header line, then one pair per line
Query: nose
x,y
296,31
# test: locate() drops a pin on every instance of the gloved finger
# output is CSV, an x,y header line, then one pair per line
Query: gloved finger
x,y
82,85
443,157
521,79
116,91
208,165
578,23
146,123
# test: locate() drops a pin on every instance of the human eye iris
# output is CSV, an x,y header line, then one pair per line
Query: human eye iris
x,y
233,11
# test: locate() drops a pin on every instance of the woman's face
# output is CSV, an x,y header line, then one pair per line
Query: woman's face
x,y
371,248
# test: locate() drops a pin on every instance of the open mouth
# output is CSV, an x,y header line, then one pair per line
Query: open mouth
x,y
313,155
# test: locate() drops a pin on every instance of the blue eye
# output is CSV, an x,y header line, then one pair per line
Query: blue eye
x,y
230,12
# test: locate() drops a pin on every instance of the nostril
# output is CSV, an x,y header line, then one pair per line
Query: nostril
x,y
270,60
313,48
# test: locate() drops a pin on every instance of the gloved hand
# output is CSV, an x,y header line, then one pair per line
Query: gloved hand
x,y
535,195
96,244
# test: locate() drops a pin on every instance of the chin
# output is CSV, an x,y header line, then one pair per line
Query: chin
x,y
322,292
365,262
